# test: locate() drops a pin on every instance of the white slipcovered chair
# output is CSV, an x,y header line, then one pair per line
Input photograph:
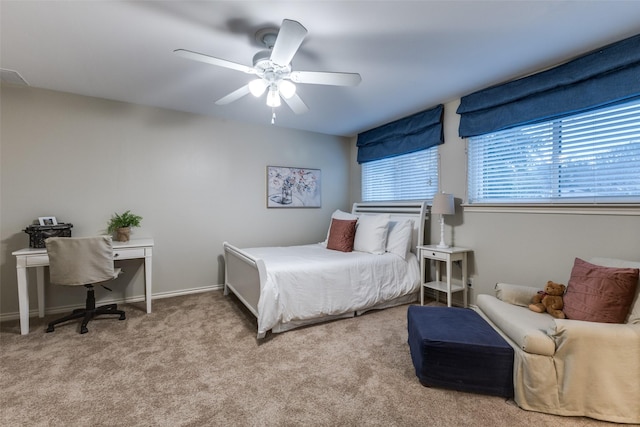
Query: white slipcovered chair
x,y
570,367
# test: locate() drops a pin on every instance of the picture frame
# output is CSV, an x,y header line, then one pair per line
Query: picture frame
x,y
293,187
47,220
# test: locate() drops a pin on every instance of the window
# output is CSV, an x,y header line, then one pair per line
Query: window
x,y
590,157
412,176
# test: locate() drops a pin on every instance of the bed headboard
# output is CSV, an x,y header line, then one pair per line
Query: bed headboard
x,y
417,211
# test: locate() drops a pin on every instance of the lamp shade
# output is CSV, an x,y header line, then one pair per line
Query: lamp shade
x,y
257,87
287,89
443,204
273,97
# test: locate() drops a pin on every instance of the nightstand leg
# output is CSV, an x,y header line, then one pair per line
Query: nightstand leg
x,y
422,279
464,278
448,283
438,278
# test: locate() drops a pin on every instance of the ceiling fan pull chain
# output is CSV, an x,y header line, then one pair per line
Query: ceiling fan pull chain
x,y
273,116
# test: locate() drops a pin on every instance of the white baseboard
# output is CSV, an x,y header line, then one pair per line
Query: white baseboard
x,y
138,298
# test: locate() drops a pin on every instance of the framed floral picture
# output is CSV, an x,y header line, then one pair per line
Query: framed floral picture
x,y
289,187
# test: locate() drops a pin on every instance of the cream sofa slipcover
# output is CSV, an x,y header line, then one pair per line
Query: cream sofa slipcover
x,y
569,367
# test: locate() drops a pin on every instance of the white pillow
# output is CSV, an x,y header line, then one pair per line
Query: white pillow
x,y
516,294
337,214
371,234
399,237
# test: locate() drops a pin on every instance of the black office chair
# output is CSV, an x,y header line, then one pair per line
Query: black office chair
x,y
86,261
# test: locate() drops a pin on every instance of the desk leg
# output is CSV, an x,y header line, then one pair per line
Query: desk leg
x,y
23,297
147,279
40,283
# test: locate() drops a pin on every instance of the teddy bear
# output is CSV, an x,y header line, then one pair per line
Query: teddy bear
x,y
549,300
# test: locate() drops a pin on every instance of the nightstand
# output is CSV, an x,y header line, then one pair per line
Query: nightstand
x,y
447,256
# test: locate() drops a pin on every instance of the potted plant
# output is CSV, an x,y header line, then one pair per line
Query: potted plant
x,y
121,224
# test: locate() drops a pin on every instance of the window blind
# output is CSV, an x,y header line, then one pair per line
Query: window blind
x,y
407,135
412,176
588,158
606,76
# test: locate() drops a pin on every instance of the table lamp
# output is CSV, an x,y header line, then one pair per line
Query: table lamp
x,y
443,205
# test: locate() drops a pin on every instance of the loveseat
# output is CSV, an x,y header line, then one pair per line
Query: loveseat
x,y
566,366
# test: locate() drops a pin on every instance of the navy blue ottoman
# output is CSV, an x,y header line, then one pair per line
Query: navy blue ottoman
x,y
456,348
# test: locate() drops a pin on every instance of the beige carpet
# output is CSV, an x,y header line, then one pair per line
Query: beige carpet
x,y
195,361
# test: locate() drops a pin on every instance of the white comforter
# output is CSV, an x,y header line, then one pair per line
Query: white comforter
x,y
310,281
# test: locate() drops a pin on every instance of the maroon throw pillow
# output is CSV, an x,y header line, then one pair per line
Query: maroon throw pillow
x,y
341,234
599,294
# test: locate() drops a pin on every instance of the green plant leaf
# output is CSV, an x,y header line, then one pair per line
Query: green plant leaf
x,y
125,219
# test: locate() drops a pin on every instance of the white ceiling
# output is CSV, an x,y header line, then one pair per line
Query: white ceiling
x,y
412,55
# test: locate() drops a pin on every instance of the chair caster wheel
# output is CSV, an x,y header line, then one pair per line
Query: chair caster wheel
x,y
122,317
83,329
50,328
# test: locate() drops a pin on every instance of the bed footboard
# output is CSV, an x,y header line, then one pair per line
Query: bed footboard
x,y
243,276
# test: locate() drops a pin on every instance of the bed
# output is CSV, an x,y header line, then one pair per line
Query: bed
x,y
288,287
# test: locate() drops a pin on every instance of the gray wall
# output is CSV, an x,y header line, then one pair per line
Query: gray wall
x,y
521,248
197,181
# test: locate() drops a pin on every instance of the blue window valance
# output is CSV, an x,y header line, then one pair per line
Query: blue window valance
x,y
606,76
407,135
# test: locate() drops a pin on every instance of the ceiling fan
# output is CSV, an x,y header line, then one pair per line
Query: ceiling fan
x,y
272,67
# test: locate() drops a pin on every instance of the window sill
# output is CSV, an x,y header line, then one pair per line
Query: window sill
x,y
547,208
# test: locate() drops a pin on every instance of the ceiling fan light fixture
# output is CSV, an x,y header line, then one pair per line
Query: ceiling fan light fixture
x,y
272,71
287,89
273,97
257,87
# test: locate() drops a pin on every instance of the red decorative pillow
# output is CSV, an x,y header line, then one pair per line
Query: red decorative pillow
x,y
341,234
599,294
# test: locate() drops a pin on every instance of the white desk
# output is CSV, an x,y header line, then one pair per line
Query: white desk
x,y
448,256
36,257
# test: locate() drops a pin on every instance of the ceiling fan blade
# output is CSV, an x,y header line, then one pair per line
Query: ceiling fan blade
x,y
326,78
289,39
214,61
233,96
296,104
